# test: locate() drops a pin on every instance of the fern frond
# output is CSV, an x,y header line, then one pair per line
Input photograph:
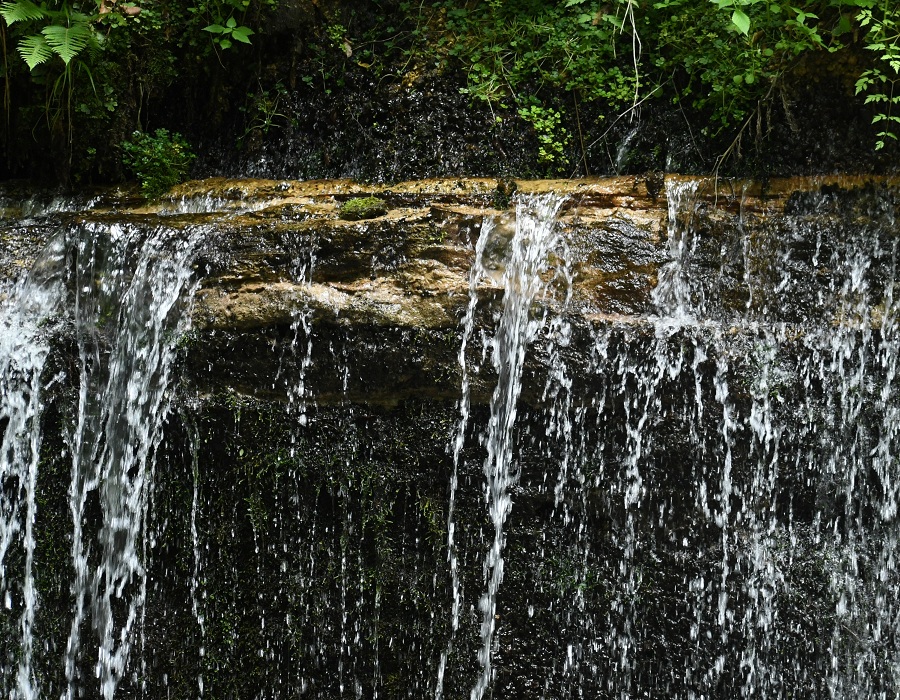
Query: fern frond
x,y
20,11
96,44
34,50
67,42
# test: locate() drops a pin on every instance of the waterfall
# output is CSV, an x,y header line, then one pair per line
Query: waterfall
x,y
534,237
26,319
611,449
476,274
754,400
126,287
129,307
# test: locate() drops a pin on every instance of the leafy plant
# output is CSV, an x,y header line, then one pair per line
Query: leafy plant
x,y
726,59
552,137
159,161
881,83
734,58
264,111
65,33
230,30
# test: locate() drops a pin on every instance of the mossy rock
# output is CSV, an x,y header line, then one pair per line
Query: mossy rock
x,y
363,208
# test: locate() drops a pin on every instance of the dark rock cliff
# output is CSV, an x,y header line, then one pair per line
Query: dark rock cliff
x,y
695,497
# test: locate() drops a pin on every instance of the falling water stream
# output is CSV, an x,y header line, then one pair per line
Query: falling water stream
x,y
125,287
534,237
24,348
696,501
129,287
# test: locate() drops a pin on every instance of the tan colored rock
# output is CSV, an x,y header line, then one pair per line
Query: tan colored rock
x,y
410,267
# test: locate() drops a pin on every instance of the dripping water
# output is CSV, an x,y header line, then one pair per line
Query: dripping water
x,y
717,505
476,273
534,238
27,317
130,287
126,286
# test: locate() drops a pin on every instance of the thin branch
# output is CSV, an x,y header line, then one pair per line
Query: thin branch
x,y
587,172
624,114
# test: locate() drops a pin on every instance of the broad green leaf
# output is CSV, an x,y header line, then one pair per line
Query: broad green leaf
x,y
741,21
231,23
225,44
34,50
20,11
67,42
241,34
215,29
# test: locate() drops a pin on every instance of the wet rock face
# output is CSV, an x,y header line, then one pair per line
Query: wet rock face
x,y
275,245
284,252
701,454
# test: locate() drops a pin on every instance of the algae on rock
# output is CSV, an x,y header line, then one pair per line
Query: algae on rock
x,y
360,208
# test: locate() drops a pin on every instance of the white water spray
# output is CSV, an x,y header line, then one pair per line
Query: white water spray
x,y
534,238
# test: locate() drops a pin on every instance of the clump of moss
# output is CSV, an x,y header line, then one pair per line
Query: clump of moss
x,y
363,208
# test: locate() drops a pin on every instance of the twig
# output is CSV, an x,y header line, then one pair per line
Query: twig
x,y
688,122
587,172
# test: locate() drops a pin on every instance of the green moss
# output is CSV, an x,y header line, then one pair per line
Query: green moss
x,y
360,208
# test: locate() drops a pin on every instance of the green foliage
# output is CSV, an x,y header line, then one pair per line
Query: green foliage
x,y
552,137
732,60
881,83
227,19
723,58
264,111
557,68
57,42
93,67
21,11
231,30
34,50
360,208
515,48
62,32
330,58
159,161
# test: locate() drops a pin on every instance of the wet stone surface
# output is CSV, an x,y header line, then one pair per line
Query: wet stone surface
x,y
678,427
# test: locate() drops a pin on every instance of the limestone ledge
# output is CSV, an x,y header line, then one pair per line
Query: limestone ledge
x,y
273,251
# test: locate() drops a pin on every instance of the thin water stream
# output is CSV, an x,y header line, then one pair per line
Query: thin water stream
x,y
535,236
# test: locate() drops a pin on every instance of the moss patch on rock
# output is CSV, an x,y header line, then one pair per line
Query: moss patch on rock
x,y
360,208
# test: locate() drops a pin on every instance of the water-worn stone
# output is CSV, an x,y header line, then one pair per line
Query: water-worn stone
x,y
275,248
684,468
